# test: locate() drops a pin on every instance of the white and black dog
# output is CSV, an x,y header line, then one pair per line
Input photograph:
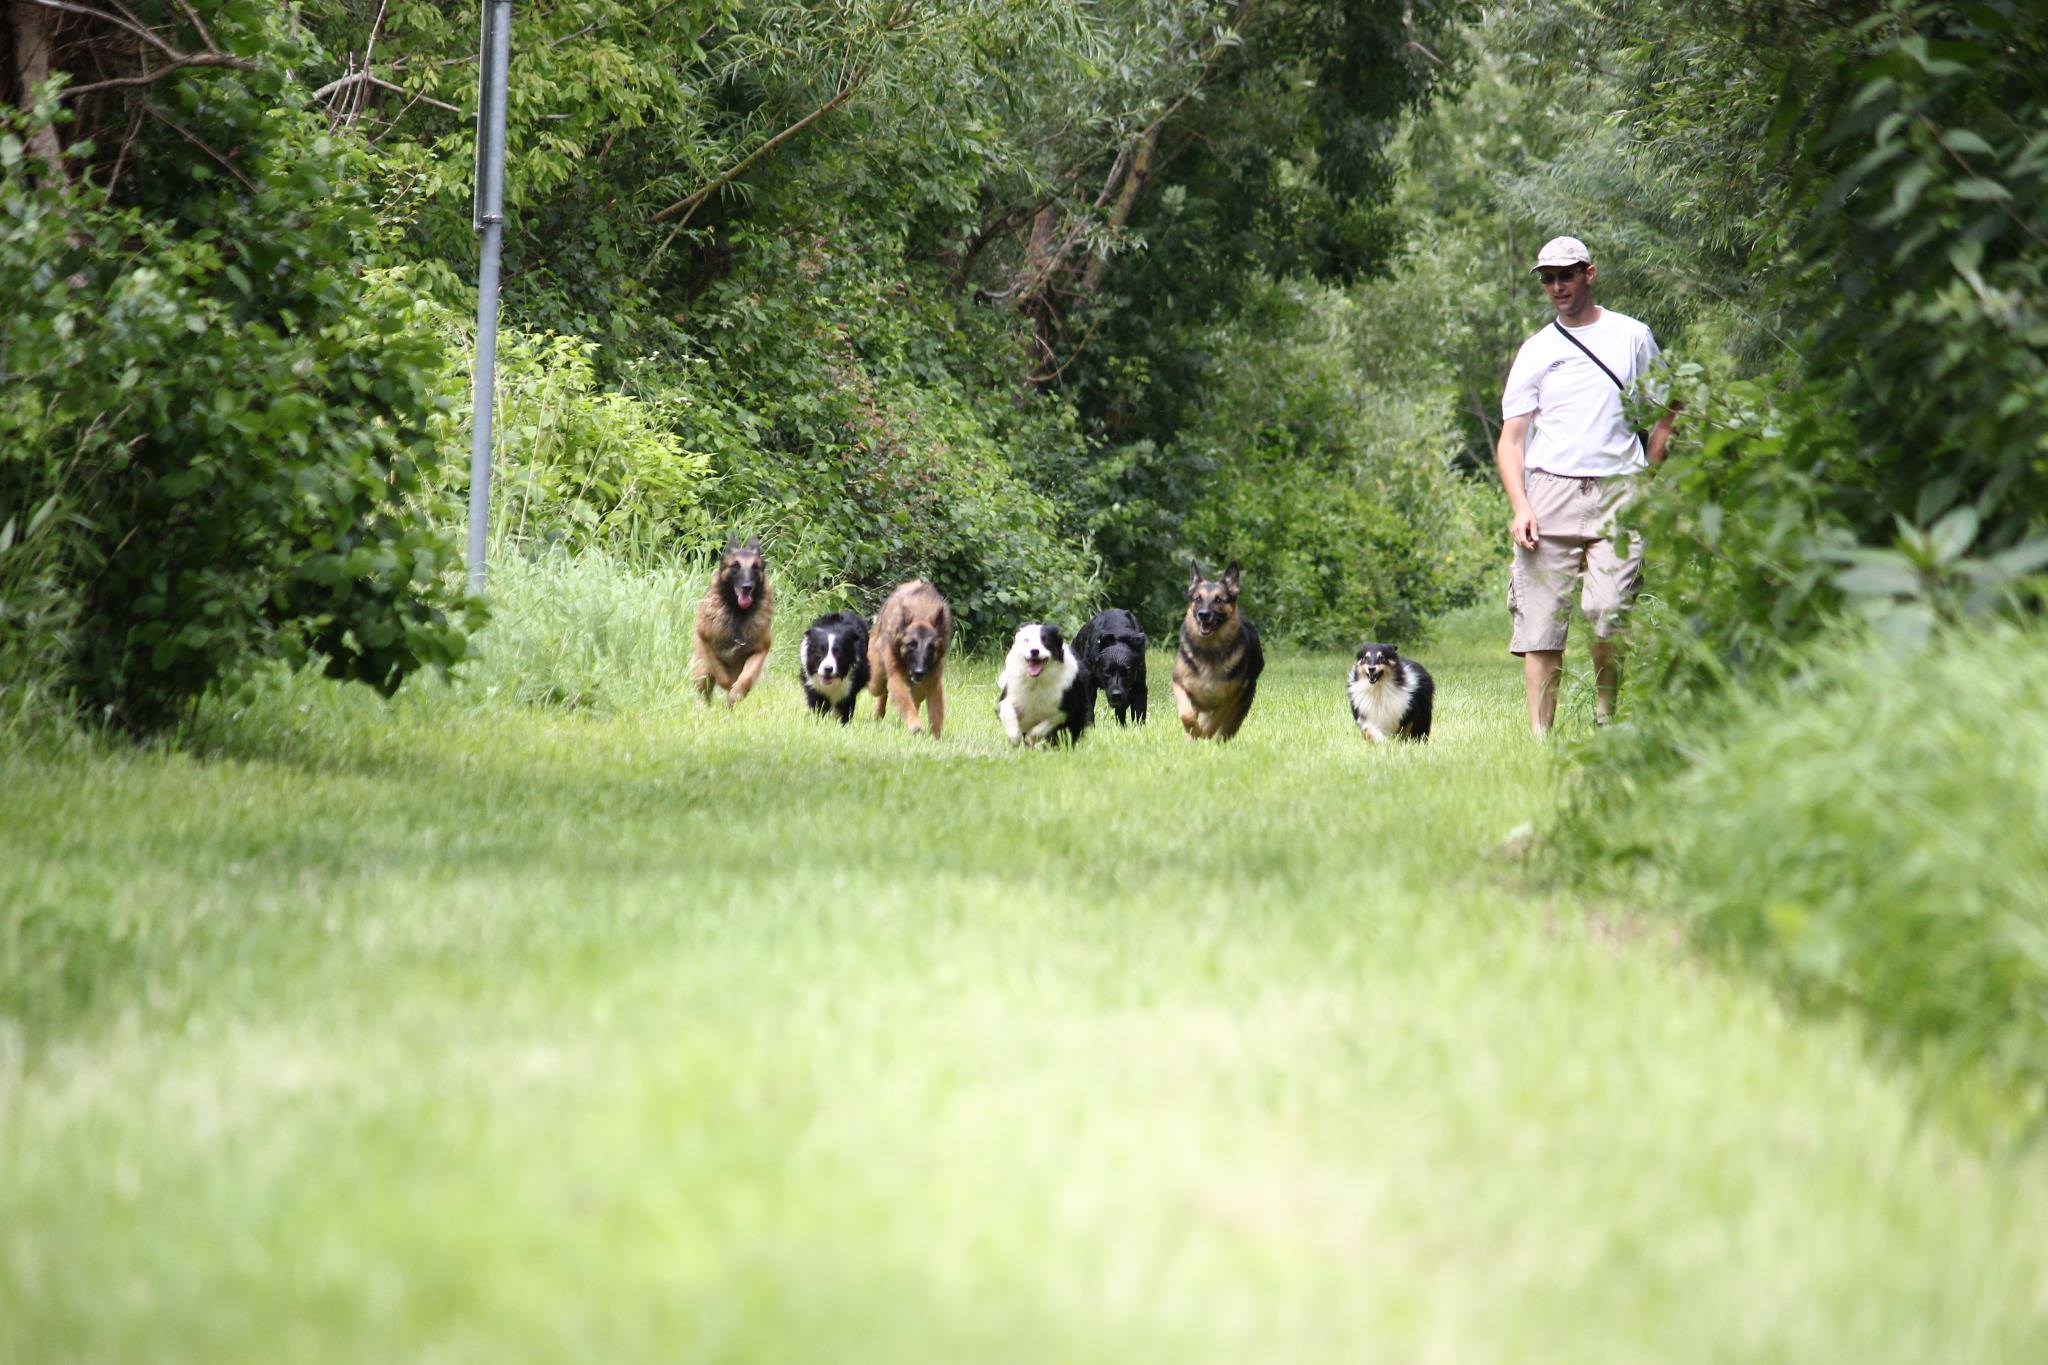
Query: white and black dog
x,y
1391,697
1112,648
833,663
1044,691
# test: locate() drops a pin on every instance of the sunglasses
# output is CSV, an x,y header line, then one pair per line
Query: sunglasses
x,y
1553,276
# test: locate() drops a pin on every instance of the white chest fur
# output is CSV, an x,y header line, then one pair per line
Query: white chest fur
x,y
1378,707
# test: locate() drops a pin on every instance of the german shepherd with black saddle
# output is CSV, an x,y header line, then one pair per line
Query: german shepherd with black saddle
x,y
1216,672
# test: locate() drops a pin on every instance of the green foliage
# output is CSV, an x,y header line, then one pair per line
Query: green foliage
x,y
1335,492
1871,834
875,434
575,464
231,420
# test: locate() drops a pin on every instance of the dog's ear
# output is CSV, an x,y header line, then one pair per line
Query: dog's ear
x,y
753,545
732,542
1194,575
1230,580
1055,642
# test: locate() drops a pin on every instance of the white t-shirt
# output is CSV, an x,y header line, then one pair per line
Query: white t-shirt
x,y
1580,429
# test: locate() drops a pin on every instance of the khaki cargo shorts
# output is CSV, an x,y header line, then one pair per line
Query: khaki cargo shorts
x,y
1577,542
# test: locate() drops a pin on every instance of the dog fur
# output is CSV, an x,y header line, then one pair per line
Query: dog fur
x,y
733,621
832,663
1112,648
1216,671
1391,697
907,655
1045,693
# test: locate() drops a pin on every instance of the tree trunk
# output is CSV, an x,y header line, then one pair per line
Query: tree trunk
x,y
1126,201
34,42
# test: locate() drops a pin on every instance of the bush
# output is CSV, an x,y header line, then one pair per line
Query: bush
x,y
1871,833
1336,492
574,464
227,421
874,433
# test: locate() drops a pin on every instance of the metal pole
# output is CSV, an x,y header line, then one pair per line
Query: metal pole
x,y
493,60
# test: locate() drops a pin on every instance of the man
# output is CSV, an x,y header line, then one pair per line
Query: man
x,y
1569,463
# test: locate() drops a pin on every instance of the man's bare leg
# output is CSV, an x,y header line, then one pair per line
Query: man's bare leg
x,y
1541,670
1606,678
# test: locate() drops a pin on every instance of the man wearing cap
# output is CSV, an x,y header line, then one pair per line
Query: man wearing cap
x,y
1570,462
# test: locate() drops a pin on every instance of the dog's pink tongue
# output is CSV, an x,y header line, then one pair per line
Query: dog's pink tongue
x,y
1034,666
746,599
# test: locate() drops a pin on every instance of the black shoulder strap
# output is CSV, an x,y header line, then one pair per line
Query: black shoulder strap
x,y
1566,333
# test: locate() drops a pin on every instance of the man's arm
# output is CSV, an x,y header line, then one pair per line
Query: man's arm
x,y
1507,456
1660,435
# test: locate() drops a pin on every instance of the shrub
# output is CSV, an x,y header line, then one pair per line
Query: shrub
x,y
1336,492
574,464
1871,833
874,434
231,420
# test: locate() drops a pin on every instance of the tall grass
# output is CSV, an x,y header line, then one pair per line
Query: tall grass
x,y
1872,833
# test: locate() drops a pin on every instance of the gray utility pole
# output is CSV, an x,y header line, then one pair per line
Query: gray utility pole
x,y
489,213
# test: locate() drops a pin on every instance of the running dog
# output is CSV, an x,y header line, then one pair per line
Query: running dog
x,y
907,654
733,622
1216,672
1112,648
1391,697
1045,691
832,663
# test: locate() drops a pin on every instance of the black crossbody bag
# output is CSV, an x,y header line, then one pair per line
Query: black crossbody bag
x,y
1566,333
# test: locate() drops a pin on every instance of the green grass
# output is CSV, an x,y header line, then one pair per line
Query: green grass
x,y
464,1030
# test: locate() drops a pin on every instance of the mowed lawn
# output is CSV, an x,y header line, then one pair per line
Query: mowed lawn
x,y
438,1031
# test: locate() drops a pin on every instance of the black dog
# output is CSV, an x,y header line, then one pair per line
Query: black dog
x,y
832,662
1391,697
1112,648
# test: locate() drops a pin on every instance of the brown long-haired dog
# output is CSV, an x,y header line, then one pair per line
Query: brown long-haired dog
x,y
907,654
733,622
1216,672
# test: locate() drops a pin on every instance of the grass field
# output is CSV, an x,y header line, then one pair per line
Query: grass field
x,y
463,1030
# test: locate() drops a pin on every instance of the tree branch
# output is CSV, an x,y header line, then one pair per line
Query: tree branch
x,y
182,63
689,205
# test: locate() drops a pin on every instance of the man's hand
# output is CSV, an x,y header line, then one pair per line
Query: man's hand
x,y
1507,456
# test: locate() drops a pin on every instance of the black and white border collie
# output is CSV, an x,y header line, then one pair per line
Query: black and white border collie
x,y
1391,697
1044,692
832,663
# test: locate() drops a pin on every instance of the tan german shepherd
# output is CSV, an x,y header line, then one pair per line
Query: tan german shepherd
x,y
907,654
733,623
1216,672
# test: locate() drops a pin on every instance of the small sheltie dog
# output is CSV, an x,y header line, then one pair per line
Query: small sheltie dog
x,y
1391,697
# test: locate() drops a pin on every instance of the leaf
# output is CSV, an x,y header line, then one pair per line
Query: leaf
x,y
1969,143
1953,534
1879,580
2029,557
1982,189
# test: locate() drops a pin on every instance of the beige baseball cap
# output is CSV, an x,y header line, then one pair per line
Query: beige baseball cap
x,y
1562,251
